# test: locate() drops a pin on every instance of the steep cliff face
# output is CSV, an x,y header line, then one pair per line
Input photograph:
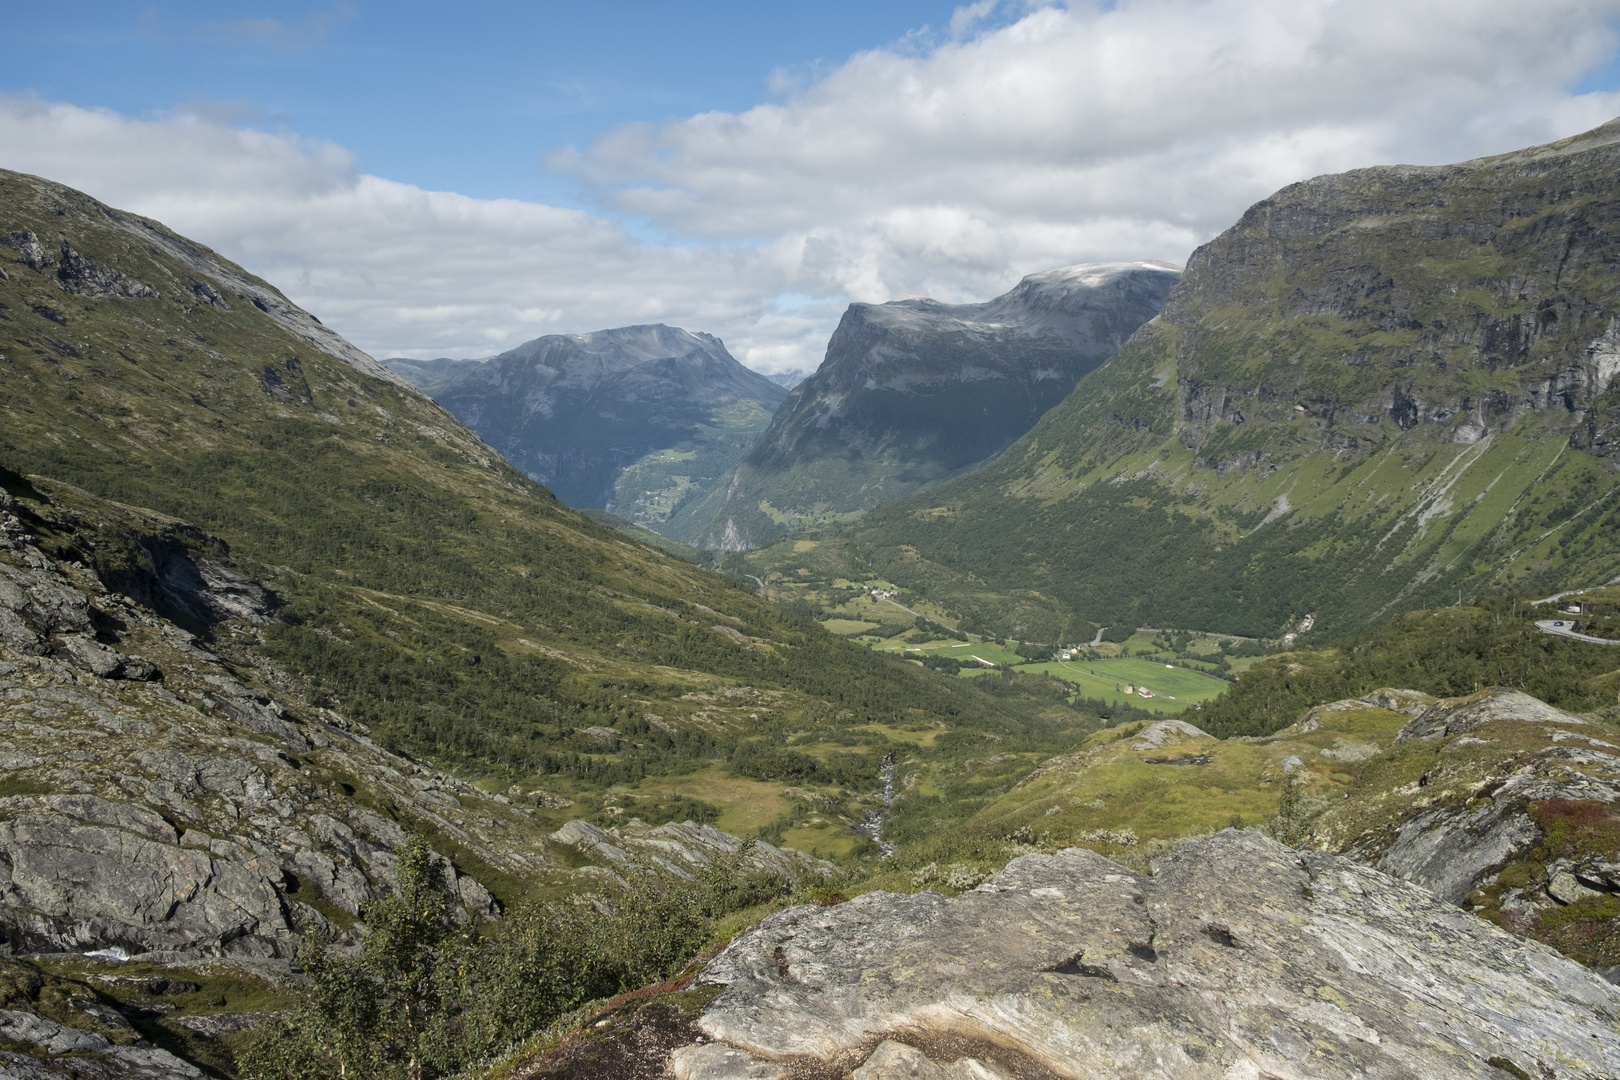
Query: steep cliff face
x,y
1375,390
637,420
914,391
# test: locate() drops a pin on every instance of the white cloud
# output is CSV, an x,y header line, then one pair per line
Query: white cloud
x,y
946,165
396,269
1102,131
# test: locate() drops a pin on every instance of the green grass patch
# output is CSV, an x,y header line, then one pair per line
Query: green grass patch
x,y
1175,689
848,626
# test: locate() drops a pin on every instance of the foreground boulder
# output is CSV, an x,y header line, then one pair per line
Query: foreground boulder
x,y
1237,958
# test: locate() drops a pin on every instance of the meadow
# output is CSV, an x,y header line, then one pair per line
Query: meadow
x,y
1175,689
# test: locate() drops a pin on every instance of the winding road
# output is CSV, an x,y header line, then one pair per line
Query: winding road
x,y
1556,626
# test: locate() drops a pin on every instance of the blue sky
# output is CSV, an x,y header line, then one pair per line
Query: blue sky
x,y
456,179
465,97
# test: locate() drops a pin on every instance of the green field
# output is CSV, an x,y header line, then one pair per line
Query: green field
x,y
1175,689
957,650
847,626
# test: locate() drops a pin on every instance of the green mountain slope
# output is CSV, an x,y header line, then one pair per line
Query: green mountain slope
x,y
913,392
638,420
1377,391
420,585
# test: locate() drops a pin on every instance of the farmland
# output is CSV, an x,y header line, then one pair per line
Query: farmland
x,y
1175,689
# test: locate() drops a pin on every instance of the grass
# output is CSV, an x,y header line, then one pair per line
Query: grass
x,y
1175,688
847,626
1112,787
745,804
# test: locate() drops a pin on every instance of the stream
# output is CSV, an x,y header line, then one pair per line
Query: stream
x,y
872,824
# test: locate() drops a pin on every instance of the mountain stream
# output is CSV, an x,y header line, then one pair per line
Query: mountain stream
x,y
872,824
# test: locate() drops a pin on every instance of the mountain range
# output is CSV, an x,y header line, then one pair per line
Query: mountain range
x,y
1381,390
294,664
183,429
636,421
913,392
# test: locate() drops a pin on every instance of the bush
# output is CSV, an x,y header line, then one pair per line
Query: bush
x,y
424,999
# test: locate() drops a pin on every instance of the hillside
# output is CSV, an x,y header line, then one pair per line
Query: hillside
x,y
913,392
1376,392
419,584
637,421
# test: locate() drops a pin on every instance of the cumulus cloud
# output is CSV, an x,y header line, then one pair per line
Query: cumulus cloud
x,y
948,164
1101,130
398,270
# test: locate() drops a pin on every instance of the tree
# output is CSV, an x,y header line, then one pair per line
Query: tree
x,y
382,1013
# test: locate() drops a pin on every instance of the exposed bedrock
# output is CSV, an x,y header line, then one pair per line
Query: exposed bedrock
x,y
1236,958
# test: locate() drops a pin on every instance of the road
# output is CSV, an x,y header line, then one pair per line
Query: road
x,y
1546,626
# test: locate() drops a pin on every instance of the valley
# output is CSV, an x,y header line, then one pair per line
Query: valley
x,y
337,742
913,392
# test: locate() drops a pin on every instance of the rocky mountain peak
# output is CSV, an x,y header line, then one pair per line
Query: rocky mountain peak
x,y
914,391
632,420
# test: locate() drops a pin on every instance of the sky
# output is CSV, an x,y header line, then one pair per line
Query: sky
x,y
453,180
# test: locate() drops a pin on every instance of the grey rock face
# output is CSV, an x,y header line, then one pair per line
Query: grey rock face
x,y
79,275
93,1055
1167,733
28,245
1449,718
915,391
1475,823
1237,958
197,816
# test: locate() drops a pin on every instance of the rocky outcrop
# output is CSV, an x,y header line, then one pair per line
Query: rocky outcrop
x,y
153,803
81,1054
1162,733
1235,958
83,277
915,391
680,848
1468,828
53,1028
28,246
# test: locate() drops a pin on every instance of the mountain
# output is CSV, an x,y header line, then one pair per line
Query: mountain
x,y
636,420
913,391
196,443
787,380
1378,391
431,376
